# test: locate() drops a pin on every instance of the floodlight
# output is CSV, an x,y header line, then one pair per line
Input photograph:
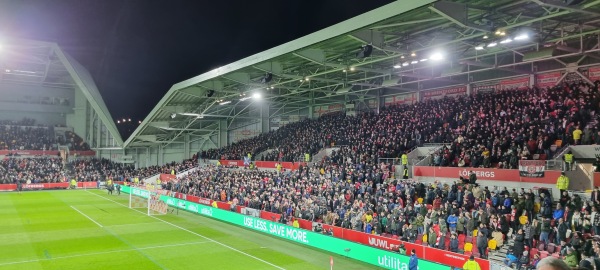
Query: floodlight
x,y
352,68
118,121
257,95
225,102
129,120
397,66
413,54
405,64
479,47
424,60
508,40
436,56
523,36
485,37
173,115
493,44
414,62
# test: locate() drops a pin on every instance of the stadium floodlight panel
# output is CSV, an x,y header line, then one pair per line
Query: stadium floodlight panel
x,y
225,102
257,95
191,114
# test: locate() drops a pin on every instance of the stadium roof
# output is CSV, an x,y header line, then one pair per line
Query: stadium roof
x,y
45,63
323,68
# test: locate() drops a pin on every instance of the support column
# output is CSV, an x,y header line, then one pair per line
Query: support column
x,y
222,133
186,146
469,89
265,117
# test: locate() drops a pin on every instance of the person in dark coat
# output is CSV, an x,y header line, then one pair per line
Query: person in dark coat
x,y
519,243
481,244
453,243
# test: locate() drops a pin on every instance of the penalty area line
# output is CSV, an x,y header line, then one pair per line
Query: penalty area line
x,y
87,216
194,233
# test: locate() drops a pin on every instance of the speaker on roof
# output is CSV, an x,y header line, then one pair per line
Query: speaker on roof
x,y
267,78
210,93
365,51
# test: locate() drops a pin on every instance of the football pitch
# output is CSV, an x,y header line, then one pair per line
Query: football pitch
x,y
88,229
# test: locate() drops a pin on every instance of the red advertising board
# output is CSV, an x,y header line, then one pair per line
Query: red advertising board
x,y
445,92
484,174
594,73
401,99
514,83
502,84
41,186
44,153
548,79
165,177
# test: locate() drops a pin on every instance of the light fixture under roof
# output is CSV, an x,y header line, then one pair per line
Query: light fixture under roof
x,y
479,47
414,62
485,37
225,102
436,56
424,60
397,66
413,54
523,36
405,64
493,44
505,41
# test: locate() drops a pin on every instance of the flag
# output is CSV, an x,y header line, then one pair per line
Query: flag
x,y
532,168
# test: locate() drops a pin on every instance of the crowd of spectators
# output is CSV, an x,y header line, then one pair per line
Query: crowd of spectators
x,y
31,170
459,217
484,130
100,169
27,135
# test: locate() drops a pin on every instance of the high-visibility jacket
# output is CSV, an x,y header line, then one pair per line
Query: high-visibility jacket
x,y
405,173
404,159
562,183
569,158
471,265
307,157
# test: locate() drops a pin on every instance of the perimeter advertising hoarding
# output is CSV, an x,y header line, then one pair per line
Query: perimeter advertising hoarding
x,y
484,174
341,247
548,79
455,91
502,84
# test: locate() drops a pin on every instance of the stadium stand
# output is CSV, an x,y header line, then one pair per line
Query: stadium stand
x,y
27,135
485,130
351,189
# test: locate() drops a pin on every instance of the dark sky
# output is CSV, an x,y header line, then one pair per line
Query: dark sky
x,y
137,49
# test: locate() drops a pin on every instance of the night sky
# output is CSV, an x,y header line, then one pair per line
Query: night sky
x,y
137,49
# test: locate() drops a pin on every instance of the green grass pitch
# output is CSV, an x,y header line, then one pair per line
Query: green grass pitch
x,y
88,229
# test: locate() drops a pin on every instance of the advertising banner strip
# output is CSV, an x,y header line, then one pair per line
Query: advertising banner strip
x,y
484,174
45,153
341,247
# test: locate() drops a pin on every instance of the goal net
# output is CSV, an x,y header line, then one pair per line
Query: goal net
x,y
148,200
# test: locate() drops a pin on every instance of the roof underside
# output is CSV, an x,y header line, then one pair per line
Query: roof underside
x,y
328,60
31,62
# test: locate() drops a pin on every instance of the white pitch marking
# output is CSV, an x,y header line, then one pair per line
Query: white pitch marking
x,y
104,252
87,216
194,233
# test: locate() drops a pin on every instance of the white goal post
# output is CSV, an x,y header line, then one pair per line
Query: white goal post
x,y
150,200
